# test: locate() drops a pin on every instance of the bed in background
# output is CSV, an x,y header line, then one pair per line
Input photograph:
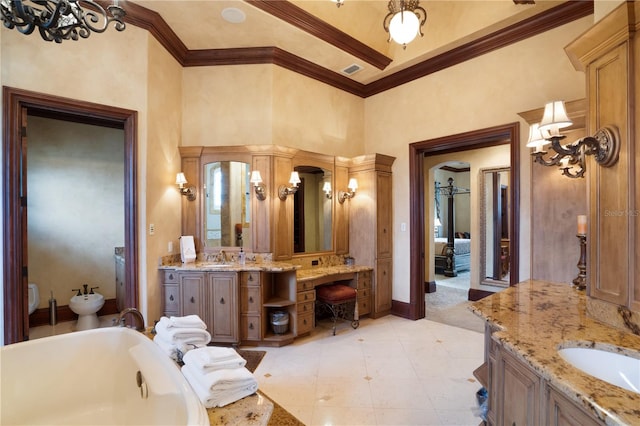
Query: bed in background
x,y
453,253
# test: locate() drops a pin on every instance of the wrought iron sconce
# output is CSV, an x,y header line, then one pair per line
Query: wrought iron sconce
x,y
189,192
353,186
604,145
284,190
259,188
327,189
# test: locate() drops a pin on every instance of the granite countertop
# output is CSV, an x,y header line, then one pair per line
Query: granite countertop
x,y
536,318
307,274
231,266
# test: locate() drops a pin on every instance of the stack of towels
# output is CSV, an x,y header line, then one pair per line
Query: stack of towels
x,y
177,335
218,375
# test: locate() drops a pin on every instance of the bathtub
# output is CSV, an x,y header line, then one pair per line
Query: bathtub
x,y
105,376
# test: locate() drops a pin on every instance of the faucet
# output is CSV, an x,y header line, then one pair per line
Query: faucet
x,y
223,257
139,319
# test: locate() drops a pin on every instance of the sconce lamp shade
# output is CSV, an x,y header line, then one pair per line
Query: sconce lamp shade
x,y
326,187
256,178
294,179
180,179
554,118
403,27
353,184
536,140
436,222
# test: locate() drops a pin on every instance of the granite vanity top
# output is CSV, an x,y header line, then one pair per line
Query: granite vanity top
x,y
231,266
536,318
307,274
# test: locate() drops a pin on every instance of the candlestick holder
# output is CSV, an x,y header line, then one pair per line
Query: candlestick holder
x,y
580,282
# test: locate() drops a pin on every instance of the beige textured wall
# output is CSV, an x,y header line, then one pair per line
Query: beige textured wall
x,y
483,92
227,105
159,163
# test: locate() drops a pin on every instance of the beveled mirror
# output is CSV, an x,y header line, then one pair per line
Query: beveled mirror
x,y
226,204
494,226
313,210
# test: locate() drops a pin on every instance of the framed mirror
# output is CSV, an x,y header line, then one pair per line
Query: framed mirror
x,y
494,226
226,204
313,210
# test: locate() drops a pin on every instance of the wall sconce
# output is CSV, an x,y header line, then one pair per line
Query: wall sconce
x,y
284,190
189,192
603,145
353,186
259,187
327,189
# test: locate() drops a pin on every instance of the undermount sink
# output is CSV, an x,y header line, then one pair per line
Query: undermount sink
x,y
615,368
214,265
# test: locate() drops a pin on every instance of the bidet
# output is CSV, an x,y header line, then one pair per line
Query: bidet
x,y
86,306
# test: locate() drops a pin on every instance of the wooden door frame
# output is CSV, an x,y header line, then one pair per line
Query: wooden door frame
x,y
15,275
492,136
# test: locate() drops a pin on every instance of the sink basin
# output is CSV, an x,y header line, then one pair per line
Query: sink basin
x,y
614,368
215,265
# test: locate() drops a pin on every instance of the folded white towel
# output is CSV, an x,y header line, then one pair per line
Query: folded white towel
x,y
211,358
171,349
188,321
221,387
183,335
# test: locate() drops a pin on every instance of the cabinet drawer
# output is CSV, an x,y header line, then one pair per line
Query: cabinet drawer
x,y
364,305
364,280
171,298
306,307
305,286
249,300
250,278
364,292
170,277
305,323
306,296
250,327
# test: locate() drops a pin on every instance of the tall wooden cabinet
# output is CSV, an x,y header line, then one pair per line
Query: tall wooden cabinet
x,y
370,225
609,54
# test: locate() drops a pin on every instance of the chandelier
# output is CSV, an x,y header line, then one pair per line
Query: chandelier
x,y
58,20
404,21
604,145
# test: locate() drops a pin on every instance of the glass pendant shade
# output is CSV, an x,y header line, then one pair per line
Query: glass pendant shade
x,y
403,27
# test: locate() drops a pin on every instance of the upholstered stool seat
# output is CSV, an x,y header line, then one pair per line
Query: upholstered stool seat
x,y
340,300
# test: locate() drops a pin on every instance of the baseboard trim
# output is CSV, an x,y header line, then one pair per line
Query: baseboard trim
x,y
429,286
476,294
64,313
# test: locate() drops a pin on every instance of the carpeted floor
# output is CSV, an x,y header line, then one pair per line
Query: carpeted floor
x,y
449,305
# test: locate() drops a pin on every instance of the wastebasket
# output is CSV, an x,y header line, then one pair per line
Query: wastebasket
x,y
280,322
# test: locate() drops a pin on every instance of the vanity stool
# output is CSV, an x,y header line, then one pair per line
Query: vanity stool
x,y
340,300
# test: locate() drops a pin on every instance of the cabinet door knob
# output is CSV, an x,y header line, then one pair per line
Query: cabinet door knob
x,y
222,301
250,326
193,299
250,299
250,277
304,321
171,297
170,276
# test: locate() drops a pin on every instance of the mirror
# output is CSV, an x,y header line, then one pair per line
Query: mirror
x,y
227,204
494,226
313,210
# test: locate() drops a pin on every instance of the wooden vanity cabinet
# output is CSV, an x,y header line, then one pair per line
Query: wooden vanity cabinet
x,y
222,306
370,225
364,292
562,412
192,294
250,307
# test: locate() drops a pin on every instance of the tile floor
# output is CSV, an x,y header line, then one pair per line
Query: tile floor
x,y
389,371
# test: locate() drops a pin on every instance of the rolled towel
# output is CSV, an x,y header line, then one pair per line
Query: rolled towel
x,y
188,321
221,387
211,358
182,335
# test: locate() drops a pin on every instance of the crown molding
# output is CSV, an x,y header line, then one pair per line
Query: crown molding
x,y
153,22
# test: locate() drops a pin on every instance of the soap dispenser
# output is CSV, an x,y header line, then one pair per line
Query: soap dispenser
x,y
53,310
241,256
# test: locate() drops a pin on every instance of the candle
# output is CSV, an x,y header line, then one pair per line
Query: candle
x,y
582,224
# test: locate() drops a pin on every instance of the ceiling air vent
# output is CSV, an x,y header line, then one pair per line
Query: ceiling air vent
x,y
352,69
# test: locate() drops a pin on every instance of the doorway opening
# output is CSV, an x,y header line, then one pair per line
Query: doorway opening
x,y
477,139
18,105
